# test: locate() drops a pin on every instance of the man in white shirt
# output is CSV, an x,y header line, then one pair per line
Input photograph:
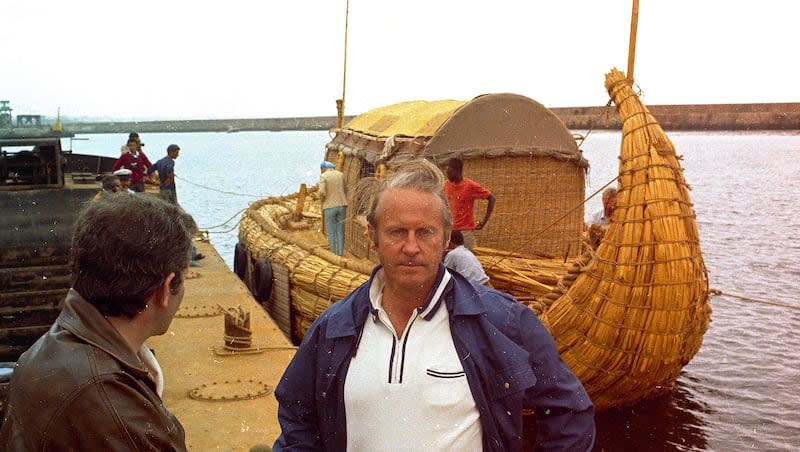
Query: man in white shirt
x,y
417,357
461,259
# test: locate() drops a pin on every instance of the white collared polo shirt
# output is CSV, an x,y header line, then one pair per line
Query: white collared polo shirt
x,y
409,391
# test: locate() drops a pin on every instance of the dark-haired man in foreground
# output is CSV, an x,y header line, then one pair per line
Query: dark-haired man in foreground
x,y
91,383
419,358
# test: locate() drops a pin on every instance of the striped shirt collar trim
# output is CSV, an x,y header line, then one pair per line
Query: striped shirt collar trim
x,y
427,310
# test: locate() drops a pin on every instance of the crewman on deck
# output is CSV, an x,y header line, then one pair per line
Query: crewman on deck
x,y
459,258
333,196
603,216
166,174
124,175
461,195
599,221
136,161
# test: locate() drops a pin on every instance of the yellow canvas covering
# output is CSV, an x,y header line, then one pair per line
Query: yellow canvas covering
x,y
409,119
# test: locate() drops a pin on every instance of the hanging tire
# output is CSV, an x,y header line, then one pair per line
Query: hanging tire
x,y
240,258
262,279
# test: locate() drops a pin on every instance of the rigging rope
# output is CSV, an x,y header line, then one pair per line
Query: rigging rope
x,y
217,190
226,221
533,236
755,300
227,230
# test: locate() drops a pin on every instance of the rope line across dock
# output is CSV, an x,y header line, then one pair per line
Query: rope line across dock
x,y
218,190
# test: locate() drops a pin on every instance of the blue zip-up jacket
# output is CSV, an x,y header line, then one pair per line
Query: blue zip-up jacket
x,y
509,358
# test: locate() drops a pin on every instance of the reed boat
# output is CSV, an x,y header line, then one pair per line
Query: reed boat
x,y
626,315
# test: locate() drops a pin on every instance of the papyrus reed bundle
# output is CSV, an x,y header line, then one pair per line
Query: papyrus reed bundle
x,y
637,315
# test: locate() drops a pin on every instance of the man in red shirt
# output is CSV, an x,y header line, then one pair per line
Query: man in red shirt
x,y
136,161
461,195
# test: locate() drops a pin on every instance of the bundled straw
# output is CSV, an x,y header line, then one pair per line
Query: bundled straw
x,y
317,276
637,315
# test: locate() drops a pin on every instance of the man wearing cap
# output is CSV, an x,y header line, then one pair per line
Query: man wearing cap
x,y
124,175
136,161
166,174
333,197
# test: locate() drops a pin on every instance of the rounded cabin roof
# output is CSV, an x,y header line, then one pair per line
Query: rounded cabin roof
x,y
503,124
490,125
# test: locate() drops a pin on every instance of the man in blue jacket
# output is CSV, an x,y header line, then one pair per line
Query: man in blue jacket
x,y
420,357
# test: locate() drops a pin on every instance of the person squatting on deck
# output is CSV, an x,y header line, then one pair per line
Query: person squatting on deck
x,y
136,161
419,356
333,197
461,195
90,382
461,259
166,174
111,184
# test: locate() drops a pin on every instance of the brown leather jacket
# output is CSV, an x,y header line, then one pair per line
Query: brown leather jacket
x,y
80,387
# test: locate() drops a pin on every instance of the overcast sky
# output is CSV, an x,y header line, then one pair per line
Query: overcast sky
x,y
269,58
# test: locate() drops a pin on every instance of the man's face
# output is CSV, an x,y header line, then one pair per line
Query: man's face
x,y
124,185
409,237
117,187
174,154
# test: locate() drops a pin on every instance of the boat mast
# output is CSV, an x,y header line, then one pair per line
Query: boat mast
x,y
340,102
632,43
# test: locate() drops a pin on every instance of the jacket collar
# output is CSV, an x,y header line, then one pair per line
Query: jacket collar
x,y
346,319
83,320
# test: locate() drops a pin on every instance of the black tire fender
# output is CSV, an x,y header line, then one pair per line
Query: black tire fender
x,y
262,279
240,258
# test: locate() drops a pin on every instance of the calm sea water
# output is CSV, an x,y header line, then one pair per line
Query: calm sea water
x,y
741,391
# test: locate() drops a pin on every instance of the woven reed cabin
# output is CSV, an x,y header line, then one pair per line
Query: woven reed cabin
x,y
509,143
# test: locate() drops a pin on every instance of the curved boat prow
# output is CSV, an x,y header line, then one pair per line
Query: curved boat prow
x,y
637,314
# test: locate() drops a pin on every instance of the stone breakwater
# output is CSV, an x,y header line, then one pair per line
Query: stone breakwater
x,y
776,116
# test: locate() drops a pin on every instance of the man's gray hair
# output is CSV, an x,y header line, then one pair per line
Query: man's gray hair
x,y
420,175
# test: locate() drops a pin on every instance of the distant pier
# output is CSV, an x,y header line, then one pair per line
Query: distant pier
x,y
716,117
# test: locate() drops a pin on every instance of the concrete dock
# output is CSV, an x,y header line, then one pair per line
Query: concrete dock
x,y
214,416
